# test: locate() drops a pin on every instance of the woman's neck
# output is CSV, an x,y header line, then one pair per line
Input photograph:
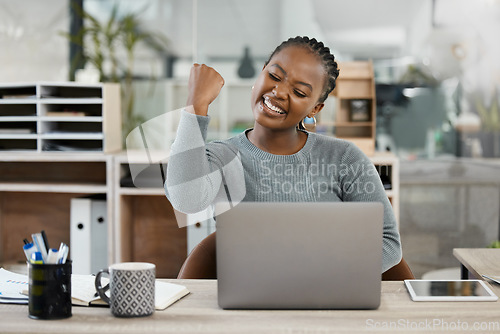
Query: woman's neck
x,y
284,142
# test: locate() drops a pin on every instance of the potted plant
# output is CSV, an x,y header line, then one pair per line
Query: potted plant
x,y
110,47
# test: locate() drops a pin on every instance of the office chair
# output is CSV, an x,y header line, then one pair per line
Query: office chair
x,y
201,264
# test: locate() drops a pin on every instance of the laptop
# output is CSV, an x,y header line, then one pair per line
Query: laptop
x,y
300,255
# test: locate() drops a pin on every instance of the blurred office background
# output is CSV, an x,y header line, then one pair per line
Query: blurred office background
x,y
436,69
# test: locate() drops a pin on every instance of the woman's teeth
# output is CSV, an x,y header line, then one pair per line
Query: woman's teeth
x,y
273,108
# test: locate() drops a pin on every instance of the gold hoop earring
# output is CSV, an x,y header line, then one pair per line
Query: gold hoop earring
x,y
314,120
304,124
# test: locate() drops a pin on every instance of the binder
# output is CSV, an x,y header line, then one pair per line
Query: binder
x,y
88,235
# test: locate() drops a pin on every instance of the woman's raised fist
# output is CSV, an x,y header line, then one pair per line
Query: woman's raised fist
x,y
204,86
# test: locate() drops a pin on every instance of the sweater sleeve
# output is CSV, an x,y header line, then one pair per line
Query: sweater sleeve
x,y
198,173
360,182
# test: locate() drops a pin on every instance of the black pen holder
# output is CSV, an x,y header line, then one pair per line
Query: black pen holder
x,y
50,290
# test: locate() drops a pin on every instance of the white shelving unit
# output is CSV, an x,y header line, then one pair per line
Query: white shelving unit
x,y
68,116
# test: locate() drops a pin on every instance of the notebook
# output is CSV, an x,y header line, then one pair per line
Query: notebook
x,y
300,256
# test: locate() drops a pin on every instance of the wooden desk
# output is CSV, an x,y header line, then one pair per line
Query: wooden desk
x,y
199,313
479,261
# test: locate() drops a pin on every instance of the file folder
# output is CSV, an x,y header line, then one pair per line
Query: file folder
x,y
88,235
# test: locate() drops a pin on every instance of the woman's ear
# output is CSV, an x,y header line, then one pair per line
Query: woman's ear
x,y
317,108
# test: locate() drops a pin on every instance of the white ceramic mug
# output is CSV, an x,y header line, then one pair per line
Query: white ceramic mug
x,y
132,288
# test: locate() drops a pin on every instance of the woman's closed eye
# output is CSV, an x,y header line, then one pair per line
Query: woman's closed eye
x,y
274,77
300,93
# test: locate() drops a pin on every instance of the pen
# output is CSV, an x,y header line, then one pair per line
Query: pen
x,y
53,256
62,253
45,240
65,255
61,247
36,258
29,249
26,241
40,245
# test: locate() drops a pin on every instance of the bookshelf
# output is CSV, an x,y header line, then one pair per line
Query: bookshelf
x,y
355,109
36,191
68,116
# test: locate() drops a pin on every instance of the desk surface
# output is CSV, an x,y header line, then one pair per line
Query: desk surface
x,y
199,313
480,261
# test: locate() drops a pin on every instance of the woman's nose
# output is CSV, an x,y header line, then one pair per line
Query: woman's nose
x,y
279,90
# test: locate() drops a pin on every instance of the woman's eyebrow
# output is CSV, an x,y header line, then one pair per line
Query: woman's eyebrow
x,y
280,68
298,82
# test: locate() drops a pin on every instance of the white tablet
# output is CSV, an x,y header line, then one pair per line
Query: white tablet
x,y
449,290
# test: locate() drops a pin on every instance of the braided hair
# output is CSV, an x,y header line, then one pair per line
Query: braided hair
x,y
323,52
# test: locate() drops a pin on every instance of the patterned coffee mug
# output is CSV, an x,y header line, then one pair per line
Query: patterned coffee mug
x,y
132,288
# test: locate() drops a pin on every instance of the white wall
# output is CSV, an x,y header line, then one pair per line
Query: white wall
x,y
30,45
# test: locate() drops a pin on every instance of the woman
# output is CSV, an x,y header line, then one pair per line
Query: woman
x,y
276,160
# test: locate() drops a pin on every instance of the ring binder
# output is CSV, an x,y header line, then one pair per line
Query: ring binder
x,y
88,234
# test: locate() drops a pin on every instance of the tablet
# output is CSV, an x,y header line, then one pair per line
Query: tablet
x,y
449,290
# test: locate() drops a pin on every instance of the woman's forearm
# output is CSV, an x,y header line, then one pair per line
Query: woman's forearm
x,y
192,181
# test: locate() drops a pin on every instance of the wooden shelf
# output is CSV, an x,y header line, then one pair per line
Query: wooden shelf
x,y
141,191
54,188
356,82
36,191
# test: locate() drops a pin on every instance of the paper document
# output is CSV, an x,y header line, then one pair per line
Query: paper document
x,y
12,286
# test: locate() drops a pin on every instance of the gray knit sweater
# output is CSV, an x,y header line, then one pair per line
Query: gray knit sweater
x,y
326,169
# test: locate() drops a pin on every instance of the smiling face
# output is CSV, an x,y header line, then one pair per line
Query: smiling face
x,y
288,89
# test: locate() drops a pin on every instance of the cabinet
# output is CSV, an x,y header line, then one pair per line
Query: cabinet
x,y
355,106
35,195
47,116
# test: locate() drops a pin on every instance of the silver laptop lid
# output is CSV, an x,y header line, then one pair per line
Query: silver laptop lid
x,y
300,256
